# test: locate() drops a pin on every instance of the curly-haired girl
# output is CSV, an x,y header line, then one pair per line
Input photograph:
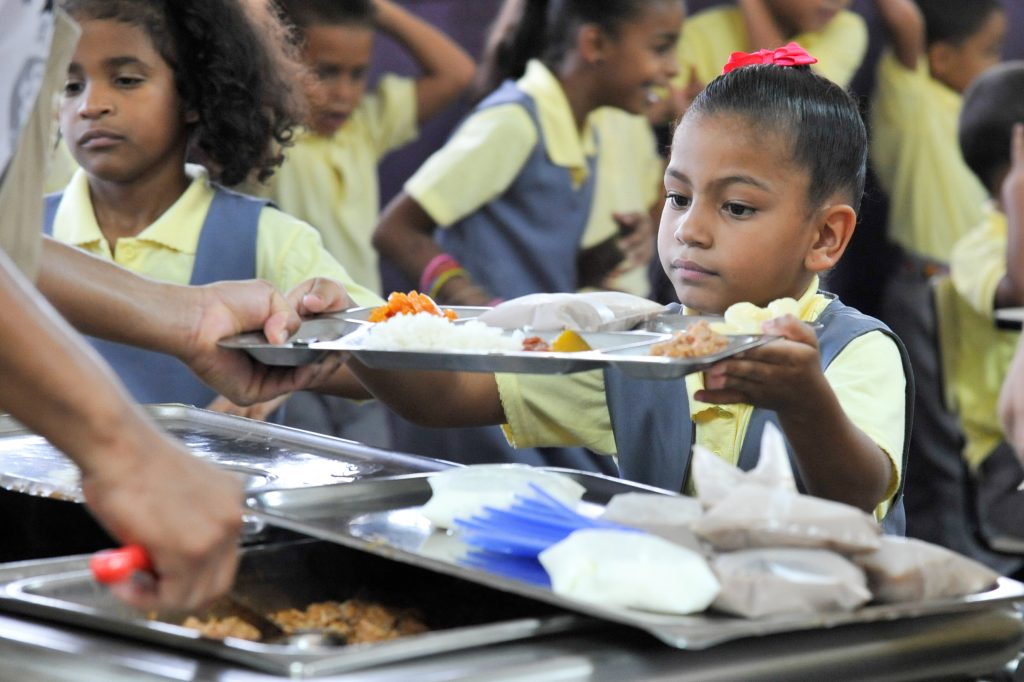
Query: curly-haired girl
x,y
153,90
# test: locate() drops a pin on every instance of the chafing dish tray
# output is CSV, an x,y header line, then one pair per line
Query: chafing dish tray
x,y
383,517
460,614
264,455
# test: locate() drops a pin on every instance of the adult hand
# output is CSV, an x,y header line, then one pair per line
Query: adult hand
x,y
781,375
183,511
225,309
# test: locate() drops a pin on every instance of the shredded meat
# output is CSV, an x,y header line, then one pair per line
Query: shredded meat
x,y
219,628
535,343
695,341
357,621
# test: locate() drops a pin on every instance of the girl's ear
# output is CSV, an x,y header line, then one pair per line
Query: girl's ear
x,y
191,116
591,44
943,59
835,226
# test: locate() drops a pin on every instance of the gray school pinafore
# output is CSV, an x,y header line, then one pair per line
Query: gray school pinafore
x,y
523,242
654,435
226,251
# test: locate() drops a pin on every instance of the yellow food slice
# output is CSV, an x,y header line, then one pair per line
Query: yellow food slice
x,y
569,342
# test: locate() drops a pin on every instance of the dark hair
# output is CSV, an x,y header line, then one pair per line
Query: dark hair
x,y
544,29
954,21
992,105
820,118
305,13
232,65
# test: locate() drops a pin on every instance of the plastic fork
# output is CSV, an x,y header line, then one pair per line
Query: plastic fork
x,y
508,541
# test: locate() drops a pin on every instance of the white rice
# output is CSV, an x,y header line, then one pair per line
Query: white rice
x,y
424,331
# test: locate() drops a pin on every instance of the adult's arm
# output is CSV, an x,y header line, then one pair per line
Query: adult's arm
x,y
138,482
105,300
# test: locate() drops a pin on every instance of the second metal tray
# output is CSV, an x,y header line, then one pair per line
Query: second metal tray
x,y
383,517
293,575
264,455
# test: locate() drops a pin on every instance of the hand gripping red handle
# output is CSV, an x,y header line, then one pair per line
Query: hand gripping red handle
x,y
117,565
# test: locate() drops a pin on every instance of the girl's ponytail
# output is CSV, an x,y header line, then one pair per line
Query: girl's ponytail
x,y
517,36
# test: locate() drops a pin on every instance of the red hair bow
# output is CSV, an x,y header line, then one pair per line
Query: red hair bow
x,y
790,55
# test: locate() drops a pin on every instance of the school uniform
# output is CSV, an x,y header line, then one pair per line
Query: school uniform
x,y
711,36
208,234
629,179
864,364
934,199
511,192
982,355
331,182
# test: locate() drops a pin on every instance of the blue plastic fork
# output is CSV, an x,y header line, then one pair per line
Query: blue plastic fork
x,y
508,541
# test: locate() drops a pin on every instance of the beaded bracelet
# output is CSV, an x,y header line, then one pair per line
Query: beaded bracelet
x,y
437,266
444,278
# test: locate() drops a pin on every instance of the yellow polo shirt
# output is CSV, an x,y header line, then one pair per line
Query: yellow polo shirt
x,y
331,182
629,179
867,378
487,152
711,36
983,353
288,251
934,198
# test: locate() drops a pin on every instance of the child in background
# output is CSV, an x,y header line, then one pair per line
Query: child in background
x,y
503,208
766,173
152,86
987,269
329,174
838,37
627,196
937,48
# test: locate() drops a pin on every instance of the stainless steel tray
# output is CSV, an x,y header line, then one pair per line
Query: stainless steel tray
x,y
464,312
296,351
383,517
627,350
528,362
292,575
264,455
636,361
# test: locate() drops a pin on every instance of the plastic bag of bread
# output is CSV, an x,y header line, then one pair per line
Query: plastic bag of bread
x,y
667,516
907,569
765,582
714,478
621,568
755,516
586,312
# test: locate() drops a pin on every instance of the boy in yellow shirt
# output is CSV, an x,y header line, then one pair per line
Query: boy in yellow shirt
x,y
987,270
937,48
